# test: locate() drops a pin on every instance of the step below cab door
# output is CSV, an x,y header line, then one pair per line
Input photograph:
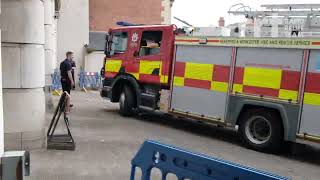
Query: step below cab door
x,y
310,119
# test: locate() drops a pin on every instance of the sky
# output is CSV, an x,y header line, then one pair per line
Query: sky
x,y
203,13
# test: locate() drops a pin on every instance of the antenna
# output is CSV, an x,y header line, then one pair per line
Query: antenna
x,y
183,21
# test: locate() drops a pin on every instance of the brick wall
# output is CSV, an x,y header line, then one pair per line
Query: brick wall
x,y
105,13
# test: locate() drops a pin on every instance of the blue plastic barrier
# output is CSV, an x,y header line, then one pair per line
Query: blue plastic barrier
x,y
89,80
189,165
56,81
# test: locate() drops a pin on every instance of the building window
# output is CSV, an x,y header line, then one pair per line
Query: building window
x,y
150,43
119,43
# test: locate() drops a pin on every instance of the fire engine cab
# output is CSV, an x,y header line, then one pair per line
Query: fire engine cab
x,y
266,88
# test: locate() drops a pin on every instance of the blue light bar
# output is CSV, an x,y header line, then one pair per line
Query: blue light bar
x,y
123,23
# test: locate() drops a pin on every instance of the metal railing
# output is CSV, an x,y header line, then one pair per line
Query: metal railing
x,y
90,80
192,166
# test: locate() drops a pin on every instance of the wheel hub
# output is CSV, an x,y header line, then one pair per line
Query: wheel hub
x,y
258,130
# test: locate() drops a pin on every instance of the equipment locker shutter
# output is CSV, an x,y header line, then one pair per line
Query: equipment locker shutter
x,y
201,79
310,121
268,72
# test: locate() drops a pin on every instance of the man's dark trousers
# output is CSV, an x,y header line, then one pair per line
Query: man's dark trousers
x,y
66,85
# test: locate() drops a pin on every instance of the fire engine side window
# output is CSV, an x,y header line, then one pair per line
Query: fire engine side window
x,y
150,43
119,42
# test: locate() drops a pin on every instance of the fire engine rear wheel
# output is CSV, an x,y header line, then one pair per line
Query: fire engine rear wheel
x,y
126,101
261,130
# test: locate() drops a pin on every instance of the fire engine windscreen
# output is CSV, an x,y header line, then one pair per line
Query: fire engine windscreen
x,y
150,43
119,43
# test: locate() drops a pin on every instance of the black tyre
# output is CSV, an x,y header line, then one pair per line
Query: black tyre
x,y
261,130
126,101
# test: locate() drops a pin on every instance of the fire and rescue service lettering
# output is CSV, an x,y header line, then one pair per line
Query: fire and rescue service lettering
x,y
251,42
281,42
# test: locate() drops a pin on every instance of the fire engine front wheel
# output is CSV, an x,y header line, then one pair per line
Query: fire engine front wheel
x,y
261,130
126,102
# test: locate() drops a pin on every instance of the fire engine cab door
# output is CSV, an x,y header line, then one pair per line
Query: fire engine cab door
x,y
118,54
147,56
310,121
201,76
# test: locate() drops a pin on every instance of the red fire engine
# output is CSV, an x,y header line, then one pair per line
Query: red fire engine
x,y
268,89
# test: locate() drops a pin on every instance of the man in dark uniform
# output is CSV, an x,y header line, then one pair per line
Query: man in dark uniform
x,y
67,81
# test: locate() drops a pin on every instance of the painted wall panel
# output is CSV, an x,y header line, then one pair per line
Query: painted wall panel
x,y
1,102
94,61
23,66
11,66
73,31
22,21
24,110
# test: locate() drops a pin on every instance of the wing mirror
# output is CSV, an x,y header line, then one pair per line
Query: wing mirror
x,y
106,48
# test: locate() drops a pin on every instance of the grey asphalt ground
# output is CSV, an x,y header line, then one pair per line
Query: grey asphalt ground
x,y
106,143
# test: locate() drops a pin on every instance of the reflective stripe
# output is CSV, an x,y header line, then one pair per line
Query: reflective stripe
x,y
110,74
237,88
276,83
180,69
312,99
219,86
147,67
178,81
238,75
164,79
288,94
199,71
262,77
201,84
136,75
113,65
290,80
313,82
221,73
261,91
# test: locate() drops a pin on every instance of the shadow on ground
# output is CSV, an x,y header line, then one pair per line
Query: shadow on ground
x,y
293,151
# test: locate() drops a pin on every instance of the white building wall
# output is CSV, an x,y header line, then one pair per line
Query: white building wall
x,y
55,43
1,102
73,30
49,24
166,13
94,61
23,66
